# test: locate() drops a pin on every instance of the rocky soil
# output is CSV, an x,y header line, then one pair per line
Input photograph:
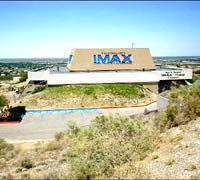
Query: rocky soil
x,y
178,155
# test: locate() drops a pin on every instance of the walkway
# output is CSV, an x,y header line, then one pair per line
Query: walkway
x,y
44,125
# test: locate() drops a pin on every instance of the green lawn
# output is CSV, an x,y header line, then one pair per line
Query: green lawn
x,y
124,90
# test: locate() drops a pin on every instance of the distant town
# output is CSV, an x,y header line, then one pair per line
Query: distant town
x,y
10,68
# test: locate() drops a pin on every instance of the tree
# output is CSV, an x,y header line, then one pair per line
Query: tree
x,y
3,101
24,76
16,113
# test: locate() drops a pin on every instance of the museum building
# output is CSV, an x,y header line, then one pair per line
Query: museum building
x,y
111,65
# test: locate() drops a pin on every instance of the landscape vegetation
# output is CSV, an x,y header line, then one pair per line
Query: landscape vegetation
x,y
53,128
116,146
159,145
98,95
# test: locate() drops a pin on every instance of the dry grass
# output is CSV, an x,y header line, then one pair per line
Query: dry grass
x,y
59,98
34,160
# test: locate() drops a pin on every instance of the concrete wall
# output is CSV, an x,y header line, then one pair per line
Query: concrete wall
x,y
38,76
152,86
102,77
108,76
149,79
83,59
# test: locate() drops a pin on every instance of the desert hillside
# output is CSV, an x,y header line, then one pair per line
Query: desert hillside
x,y
173,154
70,96
160,145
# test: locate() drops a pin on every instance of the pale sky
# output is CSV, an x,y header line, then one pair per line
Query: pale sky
x,y
52,29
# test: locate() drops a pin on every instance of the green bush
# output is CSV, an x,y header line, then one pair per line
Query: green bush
x,y
184,106
191,108
38,89
89,90
194,78
107,144
59,136
23,76
3,101
27,163
171,113
73,128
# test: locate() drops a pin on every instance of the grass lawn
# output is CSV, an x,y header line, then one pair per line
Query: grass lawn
x,y
124,90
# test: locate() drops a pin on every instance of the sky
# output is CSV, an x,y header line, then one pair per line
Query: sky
x,y
52,29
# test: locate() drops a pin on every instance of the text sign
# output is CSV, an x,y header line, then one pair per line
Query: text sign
x,y
173,75
111,59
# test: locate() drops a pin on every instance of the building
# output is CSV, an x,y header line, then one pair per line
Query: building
x,y
113,65
111,59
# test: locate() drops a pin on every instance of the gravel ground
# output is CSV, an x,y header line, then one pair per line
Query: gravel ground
x,y
178,155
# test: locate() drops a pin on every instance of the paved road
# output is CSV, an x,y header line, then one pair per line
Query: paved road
x,y
42,126
162,102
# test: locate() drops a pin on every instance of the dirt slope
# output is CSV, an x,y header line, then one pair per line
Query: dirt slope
x,y
178,155
44,100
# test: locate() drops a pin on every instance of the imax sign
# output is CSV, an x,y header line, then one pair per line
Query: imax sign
x,y
110,59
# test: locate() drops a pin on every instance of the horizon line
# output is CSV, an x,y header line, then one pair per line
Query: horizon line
x,y
67,57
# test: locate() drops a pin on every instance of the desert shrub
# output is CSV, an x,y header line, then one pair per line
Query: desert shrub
x,y
3,101
53,146
188,103
59,136
108,143
73,129
171,112
5,147
27,163
170,162
191,108
38,89
194,77
89,90
184,106
177,91
168,118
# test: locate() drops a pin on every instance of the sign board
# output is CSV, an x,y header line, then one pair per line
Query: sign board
x,y
120,58
175,74
110,59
